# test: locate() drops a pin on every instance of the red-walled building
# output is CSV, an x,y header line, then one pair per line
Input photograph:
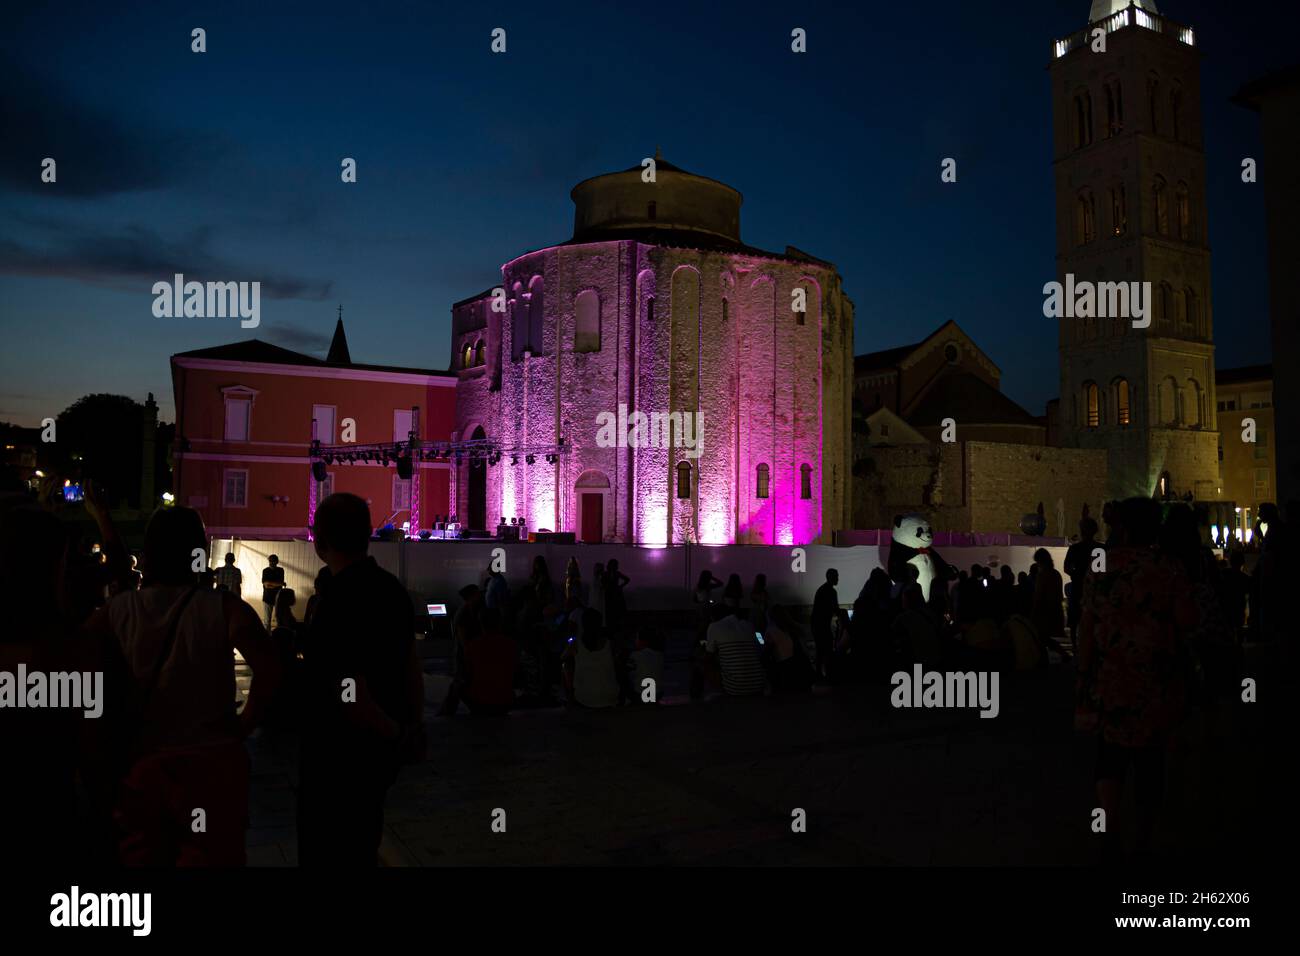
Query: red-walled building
x,y
244,417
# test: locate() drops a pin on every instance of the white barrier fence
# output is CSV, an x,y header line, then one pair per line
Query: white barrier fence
x,y
661,578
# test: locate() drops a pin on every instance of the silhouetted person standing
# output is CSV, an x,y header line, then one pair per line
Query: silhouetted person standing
x,y
826,603
230,578
1078,561
364,694
272,581
184,744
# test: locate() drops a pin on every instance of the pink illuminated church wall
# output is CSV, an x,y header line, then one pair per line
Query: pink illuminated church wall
x,y
655,325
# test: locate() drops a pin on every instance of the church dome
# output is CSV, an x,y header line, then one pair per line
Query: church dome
x,y
1101,9
619,204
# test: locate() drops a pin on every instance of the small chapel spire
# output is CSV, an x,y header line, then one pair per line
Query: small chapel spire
x,y
338,353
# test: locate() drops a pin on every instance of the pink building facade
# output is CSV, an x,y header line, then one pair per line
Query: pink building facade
x,y
740,360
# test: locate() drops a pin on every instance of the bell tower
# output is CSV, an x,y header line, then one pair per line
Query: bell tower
x,y
1130,207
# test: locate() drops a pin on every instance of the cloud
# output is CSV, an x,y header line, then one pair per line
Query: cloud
x,y
98,154
298,337
139,257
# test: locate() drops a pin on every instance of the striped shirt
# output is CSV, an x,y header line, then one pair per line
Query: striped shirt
x,y
734,642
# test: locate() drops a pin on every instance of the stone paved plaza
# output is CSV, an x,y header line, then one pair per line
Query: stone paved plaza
x,y
716,782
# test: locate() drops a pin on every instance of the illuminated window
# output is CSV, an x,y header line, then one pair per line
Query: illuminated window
x,y
325,488
586,322
805,481
1122,413
1118,210
683,479
1092,404
764,475
1162,207
467,356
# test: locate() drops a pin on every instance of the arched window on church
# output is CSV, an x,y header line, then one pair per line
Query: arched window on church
x,y
1192,404
1193,312
1153,100
586,322
1118,210
1123,415
536,314
480,353
1168,401
683,479
1114,108
805,481
467,356
518,323
1180,310
1164,487
1091,404
1165,303
1086,224
1176,111
1184,198
1082,119
1162,206
763,486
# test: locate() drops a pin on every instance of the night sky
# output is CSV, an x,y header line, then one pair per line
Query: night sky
x,y
225,165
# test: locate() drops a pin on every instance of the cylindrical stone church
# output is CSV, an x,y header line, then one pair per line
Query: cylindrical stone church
x,y
653,380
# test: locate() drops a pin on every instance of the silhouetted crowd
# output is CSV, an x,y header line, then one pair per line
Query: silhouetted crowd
x,y
1151,620
161,776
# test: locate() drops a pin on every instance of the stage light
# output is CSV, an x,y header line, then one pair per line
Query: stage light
x,y
318,470
404,468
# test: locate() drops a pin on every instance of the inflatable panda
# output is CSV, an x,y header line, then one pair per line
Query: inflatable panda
x,y
911,545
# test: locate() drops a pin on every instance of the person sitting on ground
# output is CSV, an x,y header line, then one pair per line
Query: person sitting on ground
x,y
646,663
593,678
758,597
488,688
789,669
730,657
916,634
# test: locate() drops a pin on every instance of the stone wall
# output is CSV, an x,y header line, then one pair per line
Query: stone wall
x,y
980,486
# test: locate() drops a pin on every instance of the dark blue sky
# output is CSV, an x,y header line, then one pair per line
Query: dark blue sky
x,y
225,165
